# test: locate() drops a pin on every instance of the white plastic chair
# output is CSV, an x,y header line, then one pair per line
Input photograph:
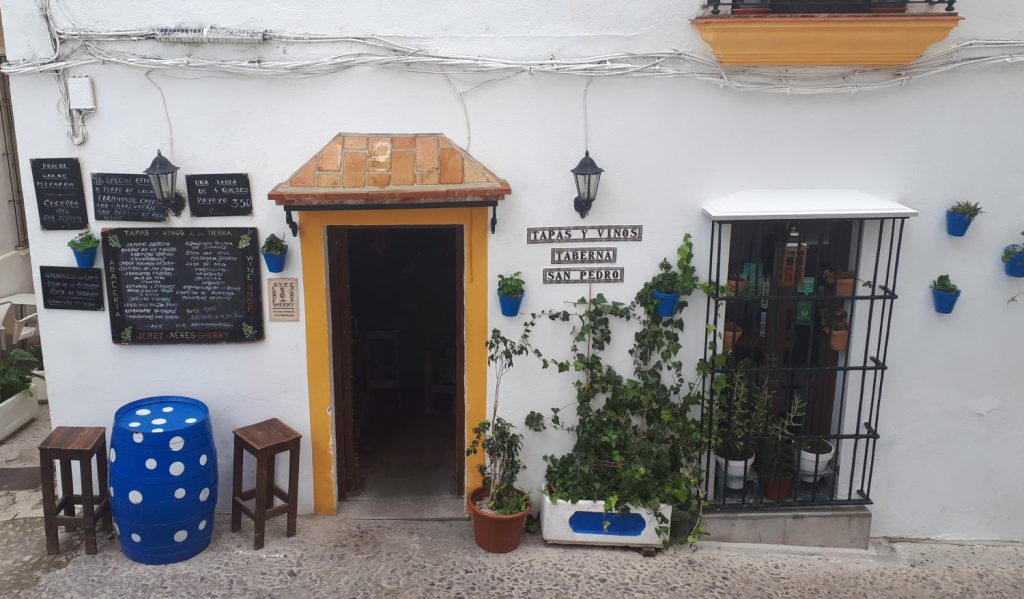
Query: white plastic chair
x,y
5,309
25,328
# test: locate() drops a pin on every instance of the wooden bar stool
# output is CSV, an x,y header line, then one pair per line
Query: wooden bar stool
x,y
66,444
264,440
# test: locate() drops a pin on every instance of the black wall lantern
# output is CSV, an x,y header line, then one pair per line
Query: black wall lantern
x,y
588,177
163,177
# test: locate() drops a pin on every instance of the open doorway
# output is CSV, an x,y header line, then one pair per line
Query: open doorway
x,y
397,334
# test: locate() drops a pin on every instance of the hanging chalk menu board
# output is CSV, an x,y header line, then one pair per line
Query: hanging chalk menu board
x,y
60,193
127,197
65,288
183,285
219,195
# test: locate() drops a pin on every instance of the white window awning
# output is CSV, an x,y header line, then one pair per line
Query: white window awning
x,y
788,204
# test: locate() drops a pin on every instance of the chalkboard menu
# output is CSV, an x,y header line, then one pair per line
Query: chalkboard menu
x,y
60,193
219,195
183,285
66,288
126,197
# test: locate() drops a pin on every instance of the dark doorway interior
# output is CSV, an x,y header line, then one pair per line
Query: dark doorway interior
x,y
403,403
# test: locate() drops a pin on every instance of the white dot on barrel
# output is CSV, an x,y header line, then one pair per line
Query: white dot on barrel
x,y
142,412
177,468
180,536
135,497
117,530
159,421
202,525
134,424
136,537
177,444
111,491
113,455
190,420
202,460
167,409
179,493
150,464
157,430
137,437
204,494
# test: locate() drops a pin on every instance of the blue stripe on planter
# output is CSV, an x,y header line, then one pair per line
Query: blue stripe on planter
x,y
592,523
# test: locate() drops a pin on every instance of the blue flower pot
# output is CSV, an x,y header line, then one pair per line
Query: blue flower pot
x,y
85,258
956,224
510,304
275,262
1015,267
944,301
667,303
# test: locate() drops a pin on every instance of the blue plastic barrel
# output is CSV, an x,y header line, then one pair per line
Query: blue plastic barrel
x,y
163,479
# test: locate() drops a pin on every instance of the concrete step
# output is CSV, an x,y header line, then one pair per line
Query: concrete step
x,y
405,507
844,527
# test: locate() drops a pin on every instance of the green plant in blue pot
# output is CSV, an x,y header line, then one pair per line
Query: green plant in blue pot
x,y
1013,259
944,294
511,290
960,216
84,247
274,252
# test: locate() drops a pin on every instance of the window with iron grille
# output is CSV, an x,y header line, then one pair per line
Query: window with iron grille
x,y
797,344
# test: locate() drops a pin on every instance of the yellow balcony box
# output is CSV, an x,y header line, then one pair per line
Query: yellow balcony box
x,y
823,40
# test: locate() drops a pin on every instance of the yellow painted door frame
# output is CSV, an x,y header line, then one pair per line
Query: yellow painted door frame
x,y
312,239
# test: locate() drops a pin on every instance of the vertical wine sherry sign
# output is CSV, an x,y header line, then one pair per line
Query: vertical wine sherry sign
x,y
60,193
584,255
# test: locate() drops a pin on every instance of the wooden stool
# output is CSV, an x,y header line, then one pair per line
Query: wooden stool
x,y
265,440
65,444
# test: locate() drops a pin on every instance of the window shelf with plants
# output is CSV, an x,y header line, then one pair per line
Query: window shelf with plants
x,y
791,403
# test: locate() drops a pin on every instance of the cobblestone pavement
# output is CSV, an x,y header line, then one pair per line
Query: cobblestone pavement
x,y
332,557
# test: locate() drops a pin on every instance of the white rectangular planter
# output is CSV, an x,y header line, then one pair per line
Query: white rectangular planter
x,y
38,387
581,523
15,412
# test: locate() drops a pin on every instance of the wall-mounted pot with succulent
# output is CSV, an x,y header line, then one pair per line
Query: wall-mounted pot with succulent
x,y
960,216
511,290
837,324
944,294
274,250
83,246
1013,259
842,280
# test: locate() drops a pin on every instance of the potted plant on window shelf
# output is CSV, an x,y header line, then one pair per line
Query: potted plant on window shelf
x,y
736,413
731,333
1013,259
944,294
837,324
498,508
17,406
274,251
815,457
511,290
776,456
960,216
83,246
843,281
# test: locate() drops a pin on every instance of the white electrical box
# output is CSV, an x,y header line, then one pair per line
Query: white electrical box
x,y
80,96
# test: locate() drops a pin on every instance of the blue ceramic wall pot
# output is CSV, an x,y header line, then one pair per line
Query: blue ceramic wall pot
x,y
275,262
944,301
667,303
957,224
85,258
1015,265
510,304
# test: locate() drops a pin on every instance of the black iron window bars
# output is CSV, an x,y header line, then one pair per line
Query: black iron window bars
x,y
787,352
820,6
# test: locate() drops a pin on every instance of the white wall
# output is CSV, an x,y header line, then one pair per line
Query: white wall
x,y
950,418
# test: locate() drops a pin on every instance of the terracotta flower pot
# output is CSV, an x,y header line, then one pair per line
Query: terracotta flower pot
x,y
779,489
844,287
494,532
839,340
729,338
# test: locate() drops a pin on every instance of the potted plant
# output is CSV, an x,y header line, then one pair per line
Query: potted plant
x,y
1013,259
731,334
17,406
815,457
776,461
842,279
511,289
944,294
737,284
84,247
666,290
736,414
837,324
274,251
960,216
498,508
